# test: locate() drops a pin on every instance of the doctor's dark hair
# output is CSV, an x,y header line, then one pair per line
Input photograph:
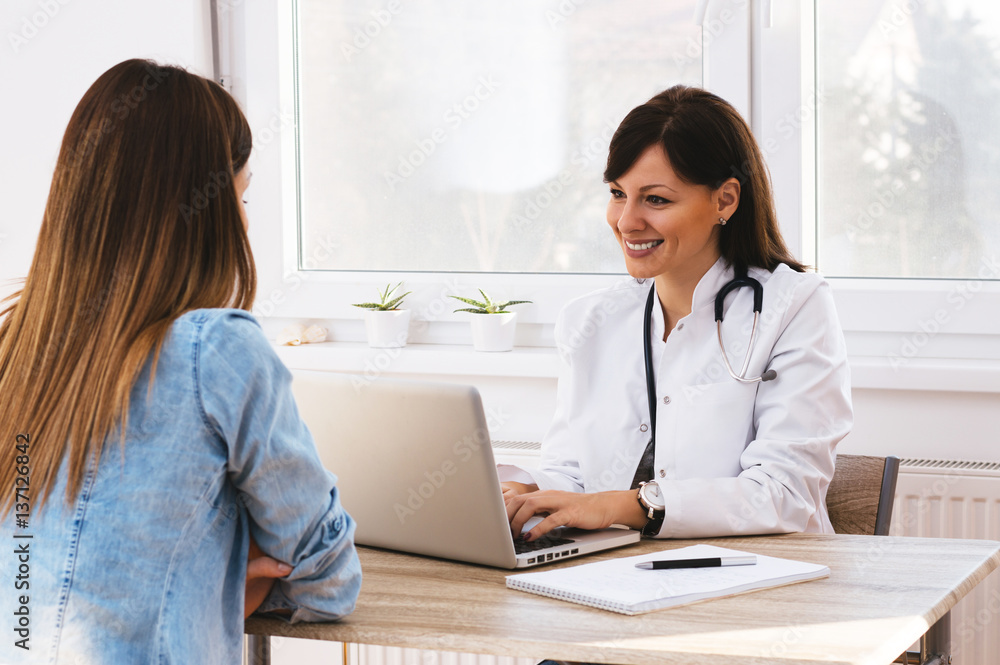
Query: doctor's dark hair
x,y
142,224
708,142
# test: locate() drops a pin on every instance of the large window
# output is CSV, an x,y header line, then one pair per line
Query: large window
x,y
908,138
474,131
455,145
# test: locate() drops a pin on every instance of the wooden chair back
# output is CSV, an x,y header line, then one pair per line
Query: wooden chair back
x,y
860,496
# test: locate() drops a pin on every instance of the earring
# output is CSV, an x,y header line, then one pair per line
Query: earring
x,y
722,221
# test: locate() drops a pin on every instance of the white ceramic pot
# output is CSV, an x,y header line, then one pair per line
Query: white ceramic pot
x,y
387,329
493,332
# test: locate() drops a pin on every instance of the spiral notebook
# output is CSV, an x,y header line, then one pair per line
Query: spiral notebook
x,y
617,585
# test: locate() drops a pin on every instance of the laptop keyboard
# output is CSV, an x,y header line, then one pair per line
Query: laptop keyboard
x,y
522,546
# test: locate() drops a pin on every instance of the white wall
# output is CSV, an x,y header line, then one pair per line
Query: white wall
x,y
925,423
51,51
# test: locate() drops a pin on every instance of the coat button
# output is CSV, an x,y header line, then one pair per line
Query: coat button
x,y
662,473
643,428
680,326
666,399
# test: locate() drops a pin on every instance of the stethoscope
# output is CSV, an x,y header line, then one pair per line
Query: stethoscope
x,y
720,301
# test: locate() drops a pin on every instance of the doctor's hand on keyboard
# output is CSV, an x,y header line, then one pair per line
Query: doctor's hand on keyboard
x,y
595,510
512,489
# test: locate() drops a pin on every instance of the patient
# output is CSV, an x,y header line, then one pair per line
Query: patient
x,y
144,417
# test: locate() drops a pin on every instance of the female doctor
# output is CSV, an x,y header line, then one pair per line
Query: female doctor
x,y
732,427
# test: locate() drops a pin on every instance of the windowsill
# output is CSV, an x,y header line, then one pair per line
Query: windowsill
x,y
935,374
870,373
445,359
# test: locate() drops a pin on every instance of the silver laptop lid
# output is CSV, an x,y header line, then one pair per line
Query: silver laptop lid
x,y
413,462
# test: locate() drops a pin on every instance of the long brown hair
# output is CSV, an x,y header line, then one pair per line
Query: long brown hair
x,y
141,225
708,142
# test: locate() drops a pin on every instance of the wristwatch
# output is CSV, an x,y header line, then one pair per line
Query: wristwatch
x,y
651,500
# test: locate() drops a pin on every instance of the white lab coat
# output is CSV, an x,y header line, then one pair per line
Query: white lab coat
x,y
731,458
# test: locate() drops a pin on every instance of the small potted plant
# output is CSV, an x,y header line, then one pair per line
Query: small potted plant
x,y
493,326
386,324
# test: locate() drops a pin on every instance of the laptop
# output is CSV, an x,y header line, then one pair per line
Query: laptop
x,y
415,470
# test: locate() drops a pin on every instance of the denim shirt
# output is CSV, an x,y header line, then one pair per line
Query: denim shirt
x,y
148,563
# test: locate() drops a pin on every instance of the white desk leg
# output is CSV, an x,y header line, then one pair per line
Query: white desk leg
x,y
258,650
936,646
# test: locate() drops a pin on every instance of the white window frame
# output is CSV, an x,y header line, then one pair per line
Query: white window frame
x,y
901,333
751,53
286,291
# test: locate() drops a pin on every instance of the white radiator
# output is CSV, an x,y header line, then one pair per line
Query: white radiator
x,y
955,499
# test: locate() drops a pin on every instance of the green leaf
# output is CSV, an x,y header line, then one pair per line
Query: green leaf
x,y
469,301
385,304
474,311
513,302
392,304
486,299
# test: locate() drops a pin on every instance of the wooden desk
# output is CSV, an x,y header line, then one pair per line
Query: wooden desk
x,y
882,595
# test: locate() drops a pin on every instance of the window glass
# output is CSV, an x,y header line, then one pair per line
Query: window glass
x,y
908,140
474,131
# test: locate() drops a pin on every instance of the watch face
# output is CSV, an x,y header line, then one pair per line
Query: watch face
x,y
651,493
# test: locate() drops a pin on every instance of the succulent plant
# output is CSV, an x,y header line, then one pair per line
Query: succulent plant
x,y
385,304
487,306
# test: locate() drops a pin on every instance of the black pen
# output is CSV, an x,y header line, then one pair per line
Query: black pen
x,y
713,562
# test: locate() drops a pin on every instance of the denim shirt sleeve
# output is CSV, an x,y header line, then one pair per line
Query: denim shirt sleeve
x,y
292,501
